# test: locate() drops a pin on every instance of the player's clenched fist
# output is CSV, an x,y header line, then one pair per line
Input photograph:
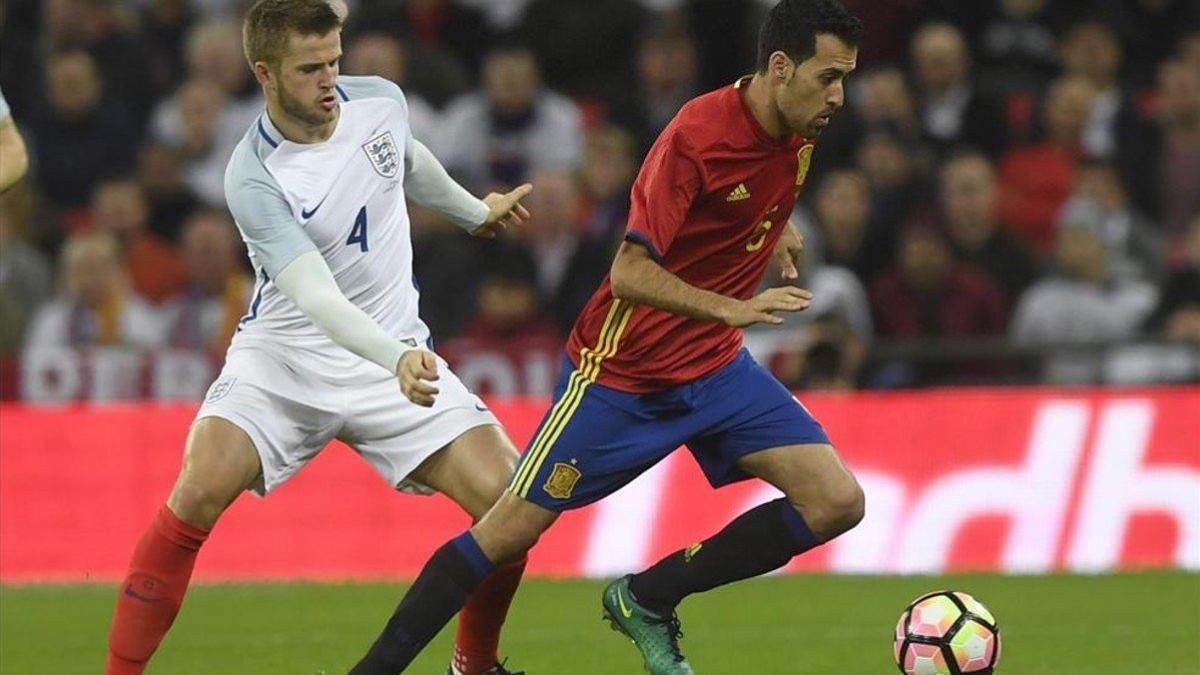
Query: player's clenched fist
x,y
762,307
415,369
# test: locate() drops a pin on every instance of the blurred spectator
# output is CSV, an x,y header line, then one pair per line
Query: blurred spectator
x,y
164,29
81,135
25,280
1178,313
843,206
382,54
1189,50
1091,50
1150,30
154,268
1166,171
501,15
929,294
884,46
606,176
586,48
210,112
886,103
509,348
169,199
512,128
1018,47
203,147
1133,246
569,266
667,78
1037,180
1176,319
447,25
1081,303
970,206
100,28
440,254
953,111
217,292
95,307
888,164
829,356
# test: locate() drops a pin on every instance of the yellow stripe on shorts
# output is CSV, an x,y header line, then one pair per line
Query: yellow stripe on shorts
x,y
564,409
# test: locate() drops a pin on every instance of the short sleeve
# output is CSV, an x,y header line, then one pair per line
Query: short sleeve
x,y
267,224
663,193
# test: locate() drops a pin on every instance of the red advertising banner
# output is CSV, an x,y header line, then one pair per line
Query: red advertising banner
x,y
1020,480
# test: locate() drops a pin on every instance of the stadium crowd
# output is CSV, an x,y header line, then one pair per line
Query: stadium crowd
x,y
1011,194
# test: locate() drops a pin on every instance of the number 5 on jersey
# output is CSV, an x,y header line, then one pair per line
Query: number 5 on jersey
x,y
358,233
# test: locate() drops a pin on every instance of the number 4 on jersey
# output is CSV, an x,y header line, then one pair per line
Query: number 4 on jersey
x,y
358,233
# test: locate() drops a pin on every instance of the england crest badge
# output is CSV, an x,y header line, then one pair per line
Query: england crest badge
x,y
382,152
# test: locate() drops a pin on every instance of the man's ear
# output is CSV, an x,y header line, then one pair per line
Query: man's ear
x,y
262,73
781,67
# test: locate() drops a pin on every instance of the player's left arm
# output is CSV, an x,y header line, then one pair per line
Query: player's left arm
x,y
430,185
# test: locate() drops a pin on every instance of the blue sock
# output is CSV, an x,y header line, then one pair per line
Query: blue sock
x,y
760,540
435,597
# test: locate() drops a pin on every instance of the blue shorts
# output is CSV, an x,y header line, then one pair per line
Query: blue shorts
x,y
595,439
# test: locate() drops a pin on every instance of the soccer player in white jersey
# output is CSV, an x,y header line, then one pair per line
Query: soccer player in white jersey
x,y
317,187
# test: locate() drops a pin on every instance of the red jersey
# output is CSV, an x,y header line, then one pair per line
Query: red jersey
x,y
711,200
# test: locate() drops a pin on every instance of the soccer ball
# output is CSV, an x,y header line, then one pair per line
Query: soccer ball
x,y
946,633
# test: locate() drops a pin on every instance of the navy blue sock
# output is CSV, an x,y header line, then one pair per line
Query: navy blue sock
x,y
435,597
762,539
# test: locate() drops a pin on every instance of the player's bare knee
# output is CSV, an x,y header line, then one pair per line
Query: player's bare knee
x,y
838,508
843,507
197,503
503,545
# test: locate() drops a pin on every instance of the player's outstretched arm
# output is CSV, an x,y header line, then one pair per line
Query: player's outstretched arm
x,y
636,276
308,282
430,185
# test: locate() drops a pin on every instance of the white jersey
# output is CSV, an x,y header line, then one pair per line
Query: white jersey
x,y
344,198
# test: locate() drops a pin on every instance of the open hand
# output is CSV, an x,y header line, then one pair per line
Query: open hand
x,y
762,307
504,211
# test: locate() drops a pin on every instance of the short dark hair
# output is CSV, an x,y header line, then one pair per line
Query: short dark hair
x,y
792,27
269,22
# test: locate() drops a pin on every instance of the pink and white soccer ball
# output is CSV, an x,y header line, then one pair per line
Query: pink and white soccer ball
x,y
946,633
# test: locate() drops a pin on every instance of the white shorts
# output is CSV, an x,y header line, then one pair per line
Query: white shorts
x,y
292,402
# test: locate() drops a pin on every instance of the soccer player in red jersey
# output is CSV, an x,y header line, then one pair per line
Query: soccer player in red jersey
x,y
655,360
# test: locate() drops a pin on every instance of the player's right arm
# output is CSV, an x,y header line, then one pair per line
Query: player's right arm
x,y
669,182
636,276
14,160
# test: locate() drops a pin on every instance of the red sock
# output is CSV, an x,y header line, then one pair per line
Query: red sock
x,y
477,643
151,594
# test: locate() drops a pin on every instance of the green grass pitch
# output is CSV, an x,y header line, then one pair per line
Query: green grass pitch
x,y
1061,625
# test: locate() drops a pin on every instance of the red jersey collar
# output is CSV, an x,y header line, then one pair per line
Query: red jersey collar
x,y
761,134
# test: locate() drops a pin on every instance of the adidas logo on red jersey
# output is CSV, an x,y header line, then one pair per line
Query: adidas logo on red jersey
x,y
738,194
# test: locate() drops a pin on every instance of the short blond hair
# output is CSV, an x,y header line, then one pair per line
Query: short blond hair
x,y
269,23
